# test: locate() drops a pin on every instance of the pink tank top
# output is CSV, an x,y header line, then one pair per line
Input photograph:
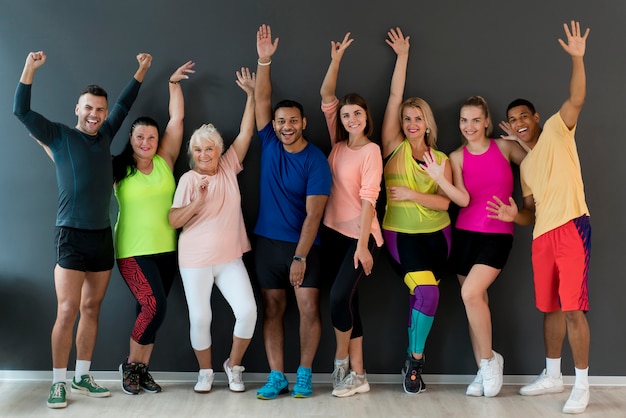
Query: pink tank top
x,y
485,175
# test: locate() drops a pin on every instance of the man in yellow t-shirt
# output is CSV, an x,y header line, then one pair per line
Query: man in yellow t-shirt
x,y
554,200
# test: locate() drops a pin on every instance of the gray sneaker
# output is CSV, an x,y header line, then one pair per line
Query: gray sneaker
x,y
342,369
351,385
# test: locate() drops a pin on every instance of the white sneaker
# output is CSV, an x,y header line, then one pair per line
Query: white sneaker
x,y
235,376
577,402
205,382
492,374
351,385
476,387
340,372
543,384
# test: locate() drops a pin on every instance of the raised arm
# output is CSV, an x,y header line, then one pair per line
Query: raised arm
x,y
263,90
246,81
391,134
34,60
575,47
329,85
169,146
144,60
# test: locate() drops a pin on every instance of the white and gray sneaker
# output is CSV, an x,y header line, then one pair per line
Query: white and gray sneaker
x,y
578,401
351,385
205,381
235,376
542,385
476,387
492,370
341,370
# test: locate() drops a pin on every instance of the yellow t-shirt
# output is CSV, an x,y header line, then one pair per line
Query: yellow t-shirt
x,y
408,216
551,174
145,200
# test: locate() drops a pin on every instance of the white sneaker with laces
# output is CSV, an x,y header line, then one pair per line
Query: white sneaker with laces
x,y
205,382
577,402
476,387
492,374
341,370
351,385
542,385
235,376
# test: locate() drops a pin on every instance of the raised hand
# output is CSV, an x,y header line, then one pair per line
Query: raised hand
x,y
576,43
510,133
182,72
144,60
398,42
264,45
246,80
501,211
35,59
338,48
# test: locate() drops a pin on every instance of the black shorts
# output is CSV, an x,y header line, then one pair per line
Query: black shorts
x,y
273,260
84,249
469,248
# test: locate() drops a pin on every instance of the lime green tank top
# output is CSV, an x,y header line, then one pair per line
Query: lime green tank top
x,y
408,216
144,200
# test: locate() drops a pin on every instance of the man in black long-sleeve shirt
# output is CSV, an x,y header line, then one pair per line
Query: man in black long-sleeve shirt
x,y
85,257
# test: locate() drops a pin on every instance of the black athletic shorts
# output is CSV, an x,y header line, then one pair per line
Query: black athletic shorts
x,y
469,248
84,249
273,260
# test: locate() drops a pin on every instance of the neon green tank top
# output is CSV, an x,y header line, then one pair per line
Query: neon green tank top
x,y
142,226
408,216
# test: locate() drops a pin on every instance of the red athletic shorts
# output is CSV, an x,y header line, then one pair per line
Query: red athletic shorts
x,y
561,265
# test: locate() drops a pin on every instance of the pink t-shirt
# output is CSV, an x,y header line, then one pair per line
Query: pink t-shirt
x,y
216,234
356,176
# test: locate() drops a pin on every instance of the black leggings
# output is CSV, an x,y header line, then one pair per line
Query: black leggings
x,y
344,300
149,278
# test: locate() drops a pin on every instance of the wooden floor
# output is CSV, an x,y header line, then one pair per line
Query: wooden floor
x,y
28,399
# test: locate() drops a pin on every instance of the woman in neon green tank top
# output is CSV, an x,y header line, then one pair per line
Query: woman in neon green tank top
x,y
145,243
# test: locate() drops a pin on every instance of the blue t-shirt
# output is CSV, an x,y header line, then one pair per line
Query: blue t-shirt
x,y
83,162
286,181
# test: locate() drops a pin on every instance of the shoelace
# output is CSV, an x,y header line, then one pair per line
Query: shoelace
x,y
92,382
303,379
236,375
339,374
58,389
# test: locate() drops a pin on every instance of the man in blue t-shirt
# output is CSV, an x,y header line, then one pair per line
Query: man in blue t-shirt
x,y
294,187
82,159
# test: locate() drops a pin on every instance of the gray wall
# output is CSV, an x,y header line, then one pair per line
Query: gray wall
x,y
501,50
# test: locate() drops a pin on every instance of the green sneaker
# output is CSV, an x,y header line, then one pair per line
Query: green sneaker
x,y
88,387
57,396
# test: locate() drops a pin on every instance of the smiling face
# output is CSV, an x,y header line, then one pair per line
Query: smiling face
x,y
413,123
354,119
91,111
289,124
473,123
525,123
145,141
206,156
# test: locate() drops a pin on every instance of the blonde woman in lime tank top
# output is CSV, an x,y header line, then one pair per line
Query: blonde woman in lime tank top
x,y
416,225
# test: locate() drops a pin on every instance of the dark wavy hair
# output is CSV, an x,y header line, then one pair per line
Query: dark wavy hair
x,y
124,164
352,99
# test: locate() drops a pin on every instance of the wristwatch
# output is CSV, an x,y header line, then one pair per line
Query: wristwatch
x,y
298,258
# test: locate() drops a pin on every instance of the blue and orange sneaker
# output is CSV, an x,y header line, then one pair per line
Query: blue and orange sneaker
x,y
276,384
304,384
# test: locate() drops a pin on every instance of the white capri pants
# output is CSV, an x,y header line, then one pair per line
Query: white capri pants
x,y
232,280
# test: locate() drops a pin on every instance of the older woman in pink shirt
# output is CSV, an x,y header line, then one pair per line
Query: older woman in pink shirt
x,y
207,205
